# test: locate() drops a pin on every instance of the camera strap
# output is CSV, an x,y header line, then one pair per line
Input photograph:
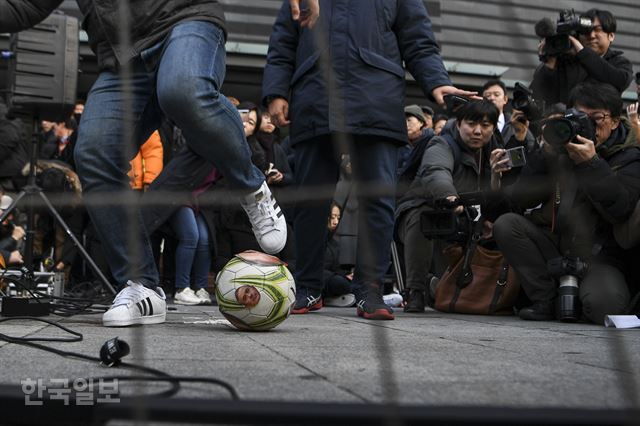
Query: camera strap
x,y
567,197
466,274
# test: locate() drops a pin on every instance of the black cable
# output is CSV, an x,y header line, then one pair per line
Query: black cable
x,y
161,376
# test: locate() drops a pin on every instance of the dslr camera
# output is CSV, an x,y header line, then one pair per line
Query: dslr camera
x,y
443,223
560,131
524,101
557,36
568,271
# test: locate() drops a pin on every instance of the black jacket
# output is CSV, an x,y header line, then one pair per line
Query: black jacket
x,y
13,153
553,86
608,188
151,21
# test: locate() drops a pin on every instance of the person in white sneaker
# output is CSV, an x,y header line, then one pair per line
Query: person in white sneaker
x,y
338,286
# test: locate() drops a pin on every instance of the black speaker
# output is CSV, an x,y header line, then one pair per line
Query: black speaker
x,y
43,69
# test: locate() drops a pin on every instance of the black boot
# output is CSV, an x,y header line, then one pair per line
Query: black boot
x,y
416,301
539,311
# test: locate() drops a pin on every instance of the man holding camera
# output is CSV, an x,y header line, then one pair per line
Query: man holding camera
x,y
582,182
461,159
589,58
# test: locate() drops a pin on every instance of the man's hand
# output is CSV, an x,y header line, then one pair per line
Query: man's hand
x,y
279,112
15,258
632,113
520,125
453,199
274,177
575,44
582,151
439,92
306,17
18,233
550,61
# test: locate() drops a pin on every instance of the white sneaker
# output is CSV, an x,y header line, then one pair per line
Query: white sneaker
x,y
186,296
267,219
204,296
343,301
136,304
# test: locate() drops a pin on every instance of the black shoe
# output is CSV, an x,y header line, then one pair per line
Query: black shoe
x,y
539,311
416,302
306,301
371,305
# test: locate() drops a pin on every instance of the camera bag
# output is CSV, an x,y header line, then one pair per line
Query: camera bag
x,y
477,281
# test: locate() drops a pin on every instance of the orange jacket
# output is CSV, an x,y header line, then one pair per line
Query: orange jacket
x,y
147,165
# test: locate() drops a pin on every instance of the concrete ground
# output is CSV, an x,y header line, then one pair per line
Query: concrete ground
x,y
431,359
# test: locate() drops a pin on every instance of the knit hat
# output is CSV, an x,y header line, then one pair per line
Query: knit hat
x,y
415,111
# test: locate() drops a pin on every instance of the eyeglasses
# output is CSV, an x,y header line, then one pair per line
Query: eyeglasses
x,y
598,117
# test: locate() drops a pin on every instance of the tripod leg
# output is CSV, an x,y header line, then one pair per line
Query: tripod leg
x,y
77,243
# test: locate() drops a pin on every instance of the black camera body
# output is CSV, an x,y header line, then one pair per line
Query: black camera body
x,y
560,131
568,271
443,223
557,37
524,101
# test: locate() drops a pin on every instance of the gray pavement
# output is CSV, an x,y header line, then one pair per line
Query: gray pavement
x,y
332,355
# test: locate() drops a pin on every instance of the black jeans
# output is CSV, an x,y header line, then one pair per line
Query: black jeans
x,y
527,248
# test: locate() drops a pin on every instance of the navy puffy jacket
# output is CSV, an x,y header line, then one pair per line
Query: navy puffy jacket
x,y
365,43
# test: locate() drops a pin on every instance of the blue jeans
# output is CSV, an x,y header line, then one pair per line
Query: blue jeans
x,y
193,255
373,163
179,77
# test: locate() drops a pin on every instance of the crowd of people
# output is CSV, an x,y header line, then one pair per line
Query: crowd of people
x,y
352,168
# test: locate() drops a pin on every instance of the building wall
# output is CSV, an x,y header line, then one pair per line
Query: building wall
x,y
479,39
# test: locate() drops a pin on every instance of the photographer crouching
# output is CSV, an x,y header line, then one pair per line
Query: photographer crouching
x,y
459,160
584,180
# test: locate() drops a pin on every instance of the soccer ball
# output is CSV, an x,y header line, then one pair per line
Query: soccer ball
x,y
255,291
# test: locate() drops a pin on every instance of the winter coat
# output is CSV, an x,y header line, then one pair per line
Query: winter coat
x,y
151,21
147,164
441,174
608,188
346,74
553,86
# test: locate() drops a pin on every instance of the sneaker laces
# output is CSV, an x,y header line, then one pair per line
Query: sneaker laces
x,y
262,215
132,293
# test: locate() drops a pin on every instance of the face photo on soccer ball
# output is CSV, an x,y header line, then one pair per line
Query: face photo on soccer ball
x,y
248,295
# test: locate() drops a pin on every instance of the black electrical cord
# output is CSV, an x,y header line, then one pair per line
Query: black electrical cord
x,y
161,376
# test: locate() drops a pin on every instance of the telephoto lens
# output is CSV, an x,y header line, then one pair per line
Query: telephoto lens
x,y
568,304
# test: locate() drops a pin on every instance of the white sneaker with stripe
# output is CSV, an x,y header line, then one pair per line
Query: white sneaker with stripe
x,y
267,219
136,304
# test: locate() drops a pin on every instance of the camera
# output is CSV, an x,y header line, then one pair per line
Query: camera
x,y
568,271
557,36
517,157
562,130
524,101
443,223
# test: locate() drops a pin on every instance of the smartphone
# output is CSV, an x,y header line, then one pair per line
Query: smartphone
x,y
453,102
517,157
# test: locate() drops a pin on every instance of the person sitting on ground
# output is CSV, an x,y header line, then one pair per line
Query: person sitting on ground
x,y
338,281
462,159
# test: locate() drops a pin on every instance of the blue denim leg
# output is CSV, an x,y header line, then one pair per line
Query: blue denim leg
x,y
190,74
202,261
102,159
183,223
180,76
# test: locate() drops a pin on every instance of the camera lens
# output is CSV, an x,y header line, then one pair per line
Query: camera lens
x,y
558,132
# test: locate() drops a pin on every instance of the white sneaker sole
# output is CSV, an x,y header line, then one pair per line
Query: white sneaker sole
x,y
150,319
186,303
